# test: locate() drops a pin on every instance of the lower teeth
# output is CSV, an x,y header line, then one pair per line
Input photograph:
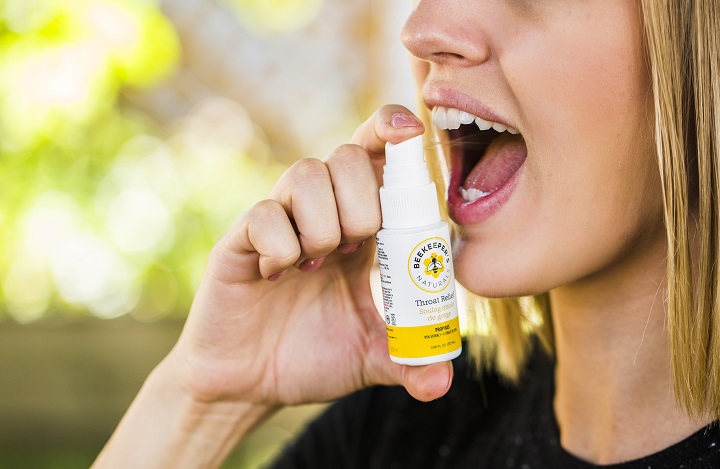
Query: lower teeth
x,y
471,195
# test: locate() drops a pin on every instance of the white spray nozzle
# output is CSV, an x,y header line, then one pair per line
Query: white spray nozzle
x,y
405,153
405,164
407,198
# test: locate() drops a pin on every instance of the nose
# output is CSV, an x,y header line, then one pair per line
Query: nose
x,y
440,31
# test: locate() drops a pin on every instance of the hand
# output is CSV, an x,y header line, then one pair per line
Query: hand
x,y
284,313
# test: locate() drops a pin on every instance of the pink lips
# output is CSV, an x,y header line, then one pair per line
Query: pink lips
x,y
497,172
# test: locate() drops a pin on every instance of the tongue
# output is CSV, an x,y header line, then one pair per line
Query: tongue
x,y
500,162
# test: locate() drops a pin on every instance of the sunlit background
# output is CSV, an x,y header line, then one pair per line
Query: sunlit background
x,y
132,134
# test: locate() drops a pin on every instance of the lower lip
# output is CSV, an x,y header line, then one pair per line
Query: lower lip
x,y
473,213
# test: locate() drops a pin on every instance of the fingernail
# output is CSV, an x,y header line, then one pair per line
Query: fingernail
x,y
401,120
347,248
311,265
277,276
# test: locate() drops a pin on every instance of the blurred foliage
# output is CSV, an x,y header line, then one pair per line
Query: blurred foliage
x,y
102,210
273,16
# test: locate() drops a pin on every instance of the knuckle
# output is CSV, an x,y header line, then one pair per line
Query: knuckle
x,y
308,169
349,156
265,215
269,222
266,209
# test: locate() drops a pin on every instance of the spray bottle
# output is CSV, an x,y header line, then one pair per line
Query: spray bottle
x,y
416,265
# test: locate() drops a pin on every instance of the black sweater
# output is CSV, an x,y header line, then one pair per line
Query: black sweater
x,y
480,423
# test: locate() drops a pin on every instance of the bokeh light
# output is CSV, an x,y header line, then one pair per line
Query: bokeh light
x,y
121,164
276,16
138,221
105,212
133,133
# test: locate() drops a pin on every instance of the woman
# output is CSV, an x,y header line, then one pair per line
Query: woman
x,y
619,257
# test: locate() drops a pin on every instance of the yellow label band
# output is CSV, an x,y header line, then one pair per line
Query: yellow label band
x,y
424,341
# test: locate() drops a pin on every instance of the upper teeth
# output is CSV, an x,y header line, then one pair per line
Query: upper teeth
x,y
451,119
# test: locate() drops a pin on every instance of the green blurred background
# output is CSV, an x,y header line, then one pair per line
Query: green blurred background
x,y
132,134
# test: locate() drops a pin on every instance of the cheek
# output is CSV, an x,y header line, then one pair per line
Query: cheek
x,y
590,195
419,70
578,233
574,214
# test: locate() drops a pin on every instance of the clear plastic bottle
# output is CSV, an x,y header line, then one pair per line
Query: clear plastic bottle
x,y
416,266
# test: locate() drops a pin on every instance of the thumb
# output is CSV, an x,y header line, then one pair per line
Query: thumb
x,y
424,383
427,383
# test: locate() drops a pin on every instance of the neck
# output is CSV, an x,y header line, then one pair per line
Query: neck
x,y
614,397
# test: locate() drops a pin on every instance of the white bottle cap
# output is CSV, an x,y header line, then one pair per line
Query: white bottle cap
x,y
407,197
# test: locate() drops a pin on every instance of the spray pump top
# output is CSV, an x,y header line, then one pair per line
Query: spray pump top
x,y
408,198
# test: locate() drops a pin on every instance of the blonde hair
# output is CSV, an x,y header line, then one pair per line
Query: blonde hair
x,y
682,42
684,56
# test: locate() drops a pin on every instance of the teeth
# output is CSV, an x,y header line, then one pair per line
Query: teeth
x,y
483,124
466,118
499,127
471,195
440,118
451,119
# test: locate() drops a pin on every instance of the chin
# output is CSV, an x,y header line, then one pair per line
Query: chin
x,y
489,276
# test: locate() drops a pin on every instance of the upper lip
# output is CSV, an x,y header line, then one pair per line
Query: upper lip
x,y
449,98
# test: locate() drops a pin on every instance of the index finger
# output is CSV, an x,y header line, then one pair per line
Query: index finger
x,y
391,123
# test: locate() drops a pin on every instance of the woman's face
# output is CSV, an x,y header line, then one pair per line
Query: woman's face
x,y
576,193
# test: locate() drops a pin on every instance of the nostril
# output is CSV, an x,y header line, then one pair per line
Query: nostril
x,y
445,31
447,56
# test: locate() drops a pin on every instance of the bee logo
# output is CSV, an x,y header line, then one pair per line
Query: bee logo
x,y
434,265
430,265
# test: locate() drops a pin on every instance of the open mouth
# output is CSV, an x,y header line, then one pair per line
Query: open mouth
x,y
485,155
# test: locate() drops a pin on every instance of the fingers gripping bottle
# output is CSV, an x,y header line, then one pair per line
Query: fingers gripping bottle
x,y
416,265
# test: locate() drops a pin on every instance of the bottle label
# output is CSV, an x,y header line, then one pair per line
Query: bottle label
x,y
418,290
429,265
